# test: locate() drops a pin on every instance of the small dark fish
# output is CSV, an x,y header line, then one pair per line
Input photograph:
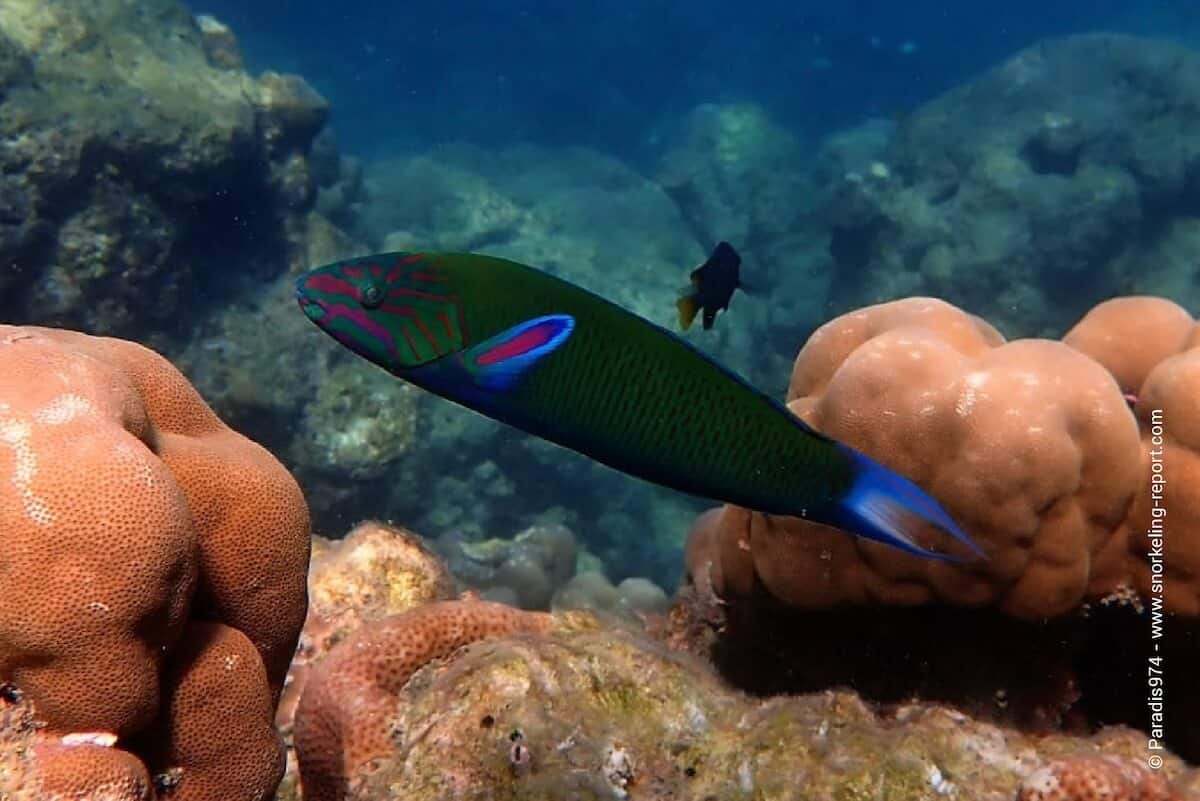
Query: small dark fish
x,y
713,284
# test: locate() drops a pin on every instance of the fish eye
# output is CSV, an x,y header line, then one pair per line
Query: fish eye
x,y
372,296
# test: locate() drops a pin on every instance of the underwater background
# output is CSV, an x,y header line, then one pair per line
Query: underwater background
x,y
561,133
613,144
618,76
167,170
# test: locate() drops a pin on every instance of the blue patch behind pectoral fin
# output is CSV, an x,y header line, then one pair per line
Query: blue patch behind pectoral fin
x,y
499,362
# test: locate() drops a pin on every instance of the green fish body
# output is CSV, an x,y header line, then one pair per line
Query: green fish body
x,y
555,360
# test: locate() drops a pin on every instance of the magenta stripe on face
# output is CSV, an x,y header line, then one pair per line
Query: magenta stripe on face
x,y
359,318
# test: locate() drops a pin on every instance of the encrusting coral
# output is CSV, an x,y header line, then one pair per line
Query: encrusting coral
x,y
160,561
375,571
342,720
1096,778
581,710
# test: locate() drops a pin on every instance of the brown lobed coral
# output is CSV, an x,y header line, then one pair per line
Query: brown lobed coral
x,y
159,558
1150,346
1029,444
1032,446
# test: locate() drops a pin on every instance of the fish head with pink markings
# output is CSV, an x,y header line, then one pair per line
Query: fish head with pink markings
x,y
399,310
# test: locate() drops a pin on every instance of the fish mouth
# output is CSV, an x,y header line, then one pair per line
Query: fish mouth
x,y
312,309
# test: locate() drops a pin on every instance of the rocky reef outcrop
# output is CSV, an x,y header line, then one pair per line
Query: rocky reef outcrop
x,y
468,699
1063,176
143,172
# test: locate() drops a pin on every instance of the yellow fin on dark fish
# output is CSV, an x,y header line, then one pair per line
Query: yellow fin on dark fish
x,y
687,311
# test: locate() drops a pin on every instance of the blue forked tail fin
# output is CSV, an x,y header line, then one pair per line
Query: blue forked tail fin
x,y
884,506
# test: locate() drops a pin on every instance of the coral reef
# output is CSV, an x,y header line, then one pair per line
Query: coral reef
x,y
1130,336
577,710
1032,447
634,598
1034,191
524,571
375,571
139,161
35,766
160,558
1092,778
343,719
737,175
1152,347
1028,444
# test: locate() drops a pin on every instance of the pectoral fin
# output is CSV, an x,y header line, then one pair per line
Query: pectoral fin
x,y
499,362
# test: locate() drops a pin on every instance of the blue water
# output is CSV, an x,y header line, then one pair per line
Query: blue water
x,y
623,78
612,73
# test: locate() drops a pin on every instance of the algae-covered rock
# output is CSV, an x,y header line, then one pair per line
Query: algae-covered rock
x,y
1030,193
735,173
375,571
574,212
599,714
524,571
139,162
359,423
